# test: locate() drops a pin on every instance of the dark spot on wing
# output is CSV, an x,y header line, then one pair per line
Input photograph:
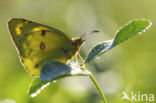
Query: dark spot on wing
x,y
29,53
22,60
65,50
43,32
20,29
36,65
42,46
23,20
30,21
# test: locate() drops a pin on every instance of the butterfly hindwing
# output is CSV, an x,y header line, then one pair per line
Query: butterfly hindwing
x,y
38,44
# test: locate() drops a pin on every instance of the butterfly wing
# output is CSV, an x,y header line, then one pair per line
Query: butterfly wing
x,y
38,44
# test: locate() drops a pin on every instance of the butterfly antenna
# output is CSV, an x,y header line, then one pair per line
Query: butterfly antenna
x,y
94,31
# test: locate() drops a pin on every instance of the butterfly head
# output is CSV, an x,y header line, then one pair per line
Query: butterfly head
x,y
78,41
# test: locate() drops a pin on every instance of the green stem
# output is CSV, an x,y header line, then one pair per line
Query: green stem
x,y
96,85
98,88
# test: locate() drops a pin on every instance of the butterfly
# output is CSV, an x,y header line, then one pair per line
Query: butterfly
x,y
38,44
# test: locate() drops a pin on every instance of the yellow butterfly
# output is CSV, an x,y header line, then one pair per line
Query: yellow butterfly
x,y
38,44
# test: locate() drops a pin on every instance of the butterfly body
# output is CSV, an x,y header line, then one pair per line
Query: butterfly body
x,y
38,44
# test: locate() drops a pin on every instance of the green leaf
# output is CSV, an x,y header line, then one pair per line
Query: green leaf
x,y
55,70
52,71
36,86
132,28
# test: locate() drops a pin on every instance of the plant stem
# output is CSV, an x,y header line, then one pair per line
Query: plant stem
x,y
96,85
98,88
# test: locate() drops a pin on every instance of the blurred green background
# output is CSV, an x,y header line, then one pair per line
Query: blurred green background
x,y
128,67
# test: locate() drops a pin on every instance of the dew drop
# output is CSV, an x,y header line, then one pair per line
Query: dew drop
x,y
139,33
144,30
97,57
39,90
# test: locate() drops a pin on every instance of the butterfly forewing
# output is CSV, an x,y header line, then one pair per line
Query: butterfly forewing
x,y
38,44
